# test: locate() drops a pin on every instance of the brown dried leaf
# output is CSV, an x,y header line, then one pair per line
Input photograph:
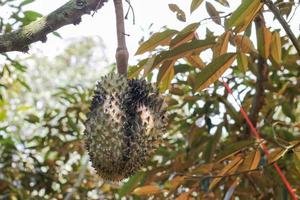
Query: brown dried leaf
x,y
147,190
227,170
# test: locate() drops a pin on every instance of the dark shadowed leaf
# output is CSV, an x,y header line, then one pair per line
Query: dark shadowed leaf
x,y
179,13
213,13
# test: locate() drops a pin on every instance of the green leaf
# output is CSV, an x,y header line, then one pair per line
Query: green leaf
x,y
195,4
25,2
131,184
24,84
3,114
179,13
233,148
242,61
161,38
30,16
183,50
288,111
244,14
57,34
214,70
32,118
19,66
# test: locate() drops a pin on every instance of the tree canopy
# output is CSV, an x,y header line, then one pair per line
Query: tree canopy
x,y
211,81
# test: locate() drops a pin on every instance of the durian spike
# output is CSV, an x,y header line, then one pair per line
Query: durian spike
x,y
122,52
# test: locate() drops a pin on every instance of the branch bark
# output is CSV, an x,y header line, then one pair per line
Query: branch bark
x,y
69,13
261,78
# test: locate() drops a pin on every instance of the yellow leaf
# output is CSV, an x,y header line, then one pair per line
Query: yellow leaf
x,y
161,38
249,18
165,75
186,49
276,48
204,169
251,161
175,89
227,170
297,153
222,44
184,196
191,98
264,37
173,184
276,155
147,190
267,41
185,35
195,61
244,44
213,71
297,149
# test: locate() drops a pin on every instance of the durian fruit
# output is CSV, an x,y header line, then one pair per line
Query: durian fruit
x,y
124,127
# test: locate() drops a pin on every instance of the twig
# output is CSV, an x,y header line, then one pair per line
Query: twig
x,y
85,162
69,13
212,18
122,52
99,5
284,24
293,13
222,176
132,10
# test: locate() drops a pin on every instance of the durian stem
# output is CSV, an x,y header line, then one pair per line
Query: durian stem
x,y
122,52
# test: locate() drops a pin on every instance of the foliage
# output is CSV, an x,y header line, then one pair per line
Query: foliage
x,y
209,151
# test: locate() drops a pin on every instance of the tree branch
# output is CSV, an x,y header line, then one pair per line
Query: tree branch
x,y
69,13
284,24
261,78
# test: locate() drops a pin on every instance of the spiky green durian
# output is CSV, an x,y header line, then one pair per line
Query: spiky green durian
x,y
125,126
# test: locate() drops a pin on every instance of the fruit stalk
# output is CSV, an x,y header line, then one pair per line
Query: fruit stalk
x,y
122,52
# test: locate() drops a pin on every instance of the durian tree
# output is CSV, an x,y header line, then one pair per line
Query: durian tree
x,y
231,99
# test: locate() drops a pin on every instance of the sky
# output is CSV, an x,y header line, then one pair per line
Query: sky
x,y
155,12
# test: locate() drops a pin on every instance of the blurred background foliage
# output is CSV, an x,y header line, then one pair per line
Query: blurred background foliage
x,y
44,101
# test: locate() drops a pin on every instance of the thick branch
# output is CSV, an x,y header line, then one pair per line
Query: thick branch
x,y
261,78
284,24
69,13
122,52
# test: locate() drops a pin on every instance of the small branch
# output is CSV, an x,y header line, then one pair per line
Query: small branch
x,y
122,52
284,24
222,176
69,13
